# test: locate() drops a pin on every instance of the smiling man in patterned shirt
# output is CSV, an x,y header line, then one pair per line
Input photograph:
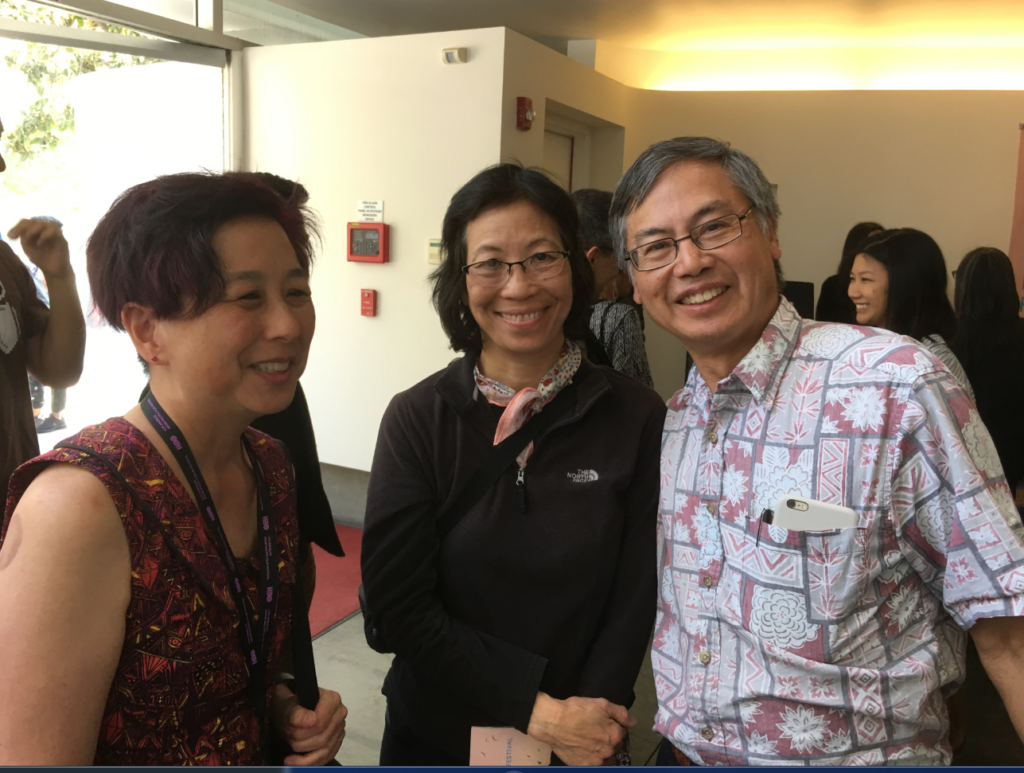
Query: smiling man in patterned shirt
x,y
824,647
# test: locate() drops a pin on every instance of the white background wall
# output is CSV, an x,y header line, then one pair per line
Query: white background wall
x,y
941,161
373,119
383,118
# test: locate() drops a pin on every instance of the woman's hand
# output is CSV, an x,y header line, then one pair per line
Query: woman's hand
x,y
314,736
581,731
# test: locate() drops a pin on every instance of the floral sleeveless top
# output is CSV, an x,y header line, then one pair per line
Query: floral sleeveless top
x,y
180,693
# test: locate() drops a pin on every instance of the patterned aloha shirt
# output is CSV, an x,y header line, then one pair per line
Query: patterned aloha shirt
x,y
829,647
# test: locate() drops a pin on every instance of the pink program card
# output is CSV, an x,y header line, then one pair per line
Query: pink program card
x,y
500,746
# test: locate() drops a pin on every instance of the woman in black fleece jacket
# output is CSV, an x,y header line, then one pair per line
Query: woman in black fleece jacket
x,y
534,612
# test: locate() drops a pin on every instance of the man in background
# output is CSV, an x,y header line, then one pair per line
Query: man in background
x,y
616,326
46,343
59,395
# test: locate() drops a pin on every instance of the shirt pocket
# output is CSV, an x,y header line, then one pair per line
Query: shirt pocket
x,y
799,584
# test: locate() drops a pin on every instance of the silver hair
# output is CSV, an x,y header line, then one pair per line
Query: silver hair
x,y
641,177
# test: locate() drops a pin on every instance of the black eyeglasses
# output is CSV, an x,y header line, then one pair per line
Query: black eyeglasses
x,y
707,236
542,265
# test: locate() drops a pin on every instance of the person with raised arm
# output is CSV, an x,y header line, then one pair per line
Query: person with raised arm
x,y
47,343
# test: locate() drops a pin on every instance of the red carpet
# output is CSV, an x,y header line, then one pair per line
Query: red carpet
x,y
337,582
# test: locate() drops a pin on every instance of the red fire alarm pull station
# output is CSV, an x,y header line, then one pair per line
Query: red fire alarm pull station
x,y
368,303
368,242
524,113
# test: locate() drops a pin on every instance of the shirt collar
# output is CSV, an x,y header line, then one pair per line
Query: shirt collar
x,y
760,371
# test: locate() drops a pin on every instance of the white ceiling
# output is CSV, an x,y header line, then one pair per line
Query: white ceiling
x,y
683,24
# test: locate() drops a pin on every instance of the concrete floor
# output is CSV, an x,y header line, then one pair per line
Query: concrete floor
x,y
345,663
346,491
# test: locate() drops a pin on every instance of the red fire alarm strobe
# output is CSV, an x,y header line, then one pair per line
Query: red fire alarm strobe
x,y
524,113
368,303
368,242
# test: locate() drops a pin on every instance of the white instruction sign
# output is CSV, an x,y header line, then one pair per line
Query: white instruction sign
x,y
371,211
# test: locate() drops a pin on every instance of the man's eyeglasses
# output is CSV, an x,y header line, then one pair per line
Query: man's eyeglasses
x,y
707,236
542,265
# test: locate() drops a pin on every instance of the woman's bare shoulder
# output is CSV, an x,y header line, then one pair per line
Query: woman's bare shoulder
x,y
67,513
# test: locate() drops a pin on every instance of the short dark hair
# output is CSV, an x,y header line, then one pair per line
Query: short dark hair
x,y
154,246
916,303
494,187
644,172
986,290
289,190
592,207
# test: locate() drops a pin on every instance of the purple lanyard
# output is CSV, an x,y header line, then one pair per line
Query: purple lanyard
x,y
175,440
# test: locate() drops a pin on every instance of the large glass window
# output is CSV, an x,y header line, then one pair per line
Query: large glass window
x,y
80,127
177,10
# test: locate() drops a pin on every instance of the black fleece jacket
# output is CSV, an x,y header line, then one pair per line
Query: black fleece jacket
x,y
559,598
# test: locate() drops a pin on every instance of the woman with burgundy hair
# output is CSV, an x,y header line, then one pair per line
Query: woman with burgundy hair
x,y
148,564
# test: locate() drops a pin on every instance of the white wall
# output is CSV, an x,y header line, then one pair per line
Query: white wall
x,y
941,161
383,119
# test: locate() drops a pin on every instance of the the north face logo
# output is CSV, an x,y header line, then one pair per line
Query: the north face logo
x,y
582,476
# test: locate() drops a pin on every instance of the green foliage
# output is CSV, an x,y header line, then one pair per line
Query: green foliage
x,y
50,120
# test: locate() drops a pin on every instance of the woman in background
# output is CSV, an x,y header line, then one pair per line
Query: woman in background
x,y
898,282
834,303
990,345
294,427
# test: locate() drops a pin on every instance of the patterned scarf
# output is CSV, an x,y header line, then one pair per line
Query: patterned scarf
x,y
520,406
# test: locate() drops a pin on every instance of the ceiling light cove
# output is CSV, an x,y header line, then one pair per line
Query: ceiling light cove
x,y
826,68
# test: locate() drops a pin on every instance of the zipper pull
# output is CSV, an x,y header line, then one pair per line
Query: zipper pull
x,y
521,487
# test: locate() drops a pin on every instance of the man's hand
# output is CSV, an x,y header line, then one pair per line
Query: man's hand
x,y
314,736
55,357
581,731
44,244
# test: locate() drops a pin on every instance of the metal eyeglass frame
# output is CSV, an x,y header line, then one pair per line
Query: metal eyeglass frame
x,y
694,235
521,263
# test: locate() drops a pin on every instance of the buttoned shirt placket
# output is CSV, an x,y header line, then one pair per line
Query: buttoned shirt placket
x,y
719,410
